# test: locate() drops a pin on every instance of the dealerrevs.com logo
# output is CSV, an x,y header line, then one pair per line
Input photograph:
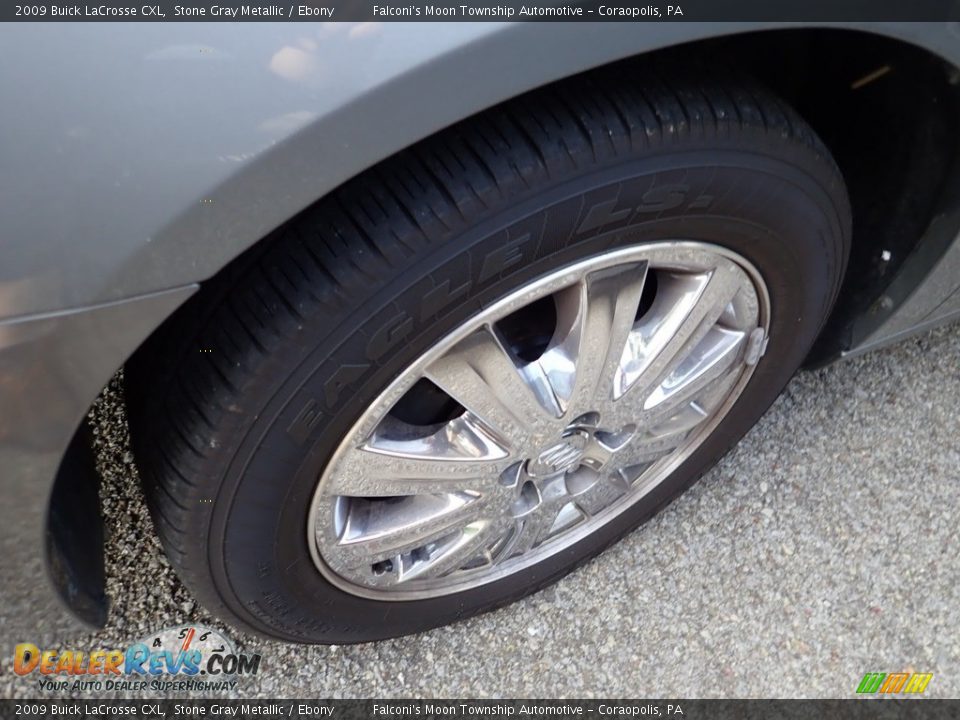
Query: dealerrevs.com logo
x,y
186,658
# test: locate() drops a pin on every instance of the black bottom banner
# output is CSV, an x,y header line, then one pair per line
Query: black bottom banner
x,y
467,709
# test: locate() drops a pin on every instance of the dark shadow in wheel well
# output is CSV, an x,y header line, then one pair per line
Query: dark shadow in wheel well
x,y
890,114
75,532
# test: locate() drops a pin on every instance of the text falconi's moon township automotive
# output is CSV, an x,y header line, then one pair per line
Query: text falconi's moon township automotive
x,y
502,11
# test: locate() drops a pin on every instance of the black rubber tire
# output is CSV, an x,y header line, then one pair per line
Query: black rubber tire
x,y
239,400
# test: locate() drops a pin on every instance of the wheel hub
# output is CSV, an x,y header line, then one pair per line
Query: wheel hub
x,y
565,469
561,457
537,447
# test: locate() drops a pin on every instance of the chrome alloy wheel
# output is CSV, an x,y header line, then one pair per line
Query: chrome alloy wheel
x,y
538,420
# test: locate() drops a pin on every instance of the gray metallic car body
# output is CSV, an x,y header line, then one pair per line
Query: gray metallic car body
x,y
137,163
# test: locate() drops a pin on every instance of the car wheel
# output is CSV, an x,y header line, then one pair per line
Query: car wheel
x,y
475,366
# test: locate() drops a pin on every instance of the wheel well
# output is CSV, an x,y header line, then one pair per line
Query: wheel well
x,y
887,110
890,114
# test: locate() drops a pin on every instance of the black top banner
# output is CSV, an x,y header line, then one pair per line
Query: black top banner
x,y
486,11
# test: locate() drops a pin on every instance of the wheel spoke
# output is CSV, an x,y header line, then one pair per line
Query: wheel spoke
x,y
388,468
667,431
711,359
682,414
460,549
594,319
377,531
597,454
649,448
480,374
532,529
682,421
535,524
602,494
686,309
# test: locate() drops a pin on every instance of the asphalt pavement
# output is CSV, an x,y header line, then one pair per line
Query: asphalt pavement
x,y
826,545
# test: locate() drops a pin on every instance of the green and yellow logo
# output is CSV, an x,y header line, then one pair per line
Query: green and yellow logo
x,y
892,683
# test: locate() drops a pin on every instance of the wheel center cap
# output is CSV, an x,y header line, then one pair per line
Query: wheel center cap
x,y
560,457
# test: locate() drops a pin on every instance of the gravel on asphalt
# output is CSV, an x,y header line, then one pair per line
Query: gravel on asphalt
x,y
824,546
